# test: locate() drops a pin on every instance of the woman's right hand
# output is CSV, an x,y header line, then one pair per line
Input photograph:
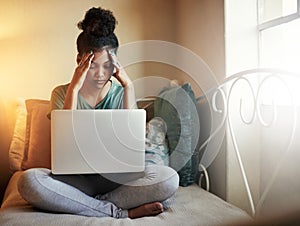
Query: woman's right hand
x,y
81,70
77,81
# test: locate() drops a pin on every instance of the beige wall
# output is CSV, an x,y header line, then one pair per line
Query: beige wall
x,y
37,41
37,38
197,25
201,29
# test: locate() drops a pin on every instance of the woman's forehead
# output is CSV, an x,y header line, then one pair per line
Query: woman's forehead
x,y
101,56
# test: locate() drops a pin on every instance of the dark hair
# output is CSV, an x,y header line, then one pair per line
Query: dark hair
x,y
97,33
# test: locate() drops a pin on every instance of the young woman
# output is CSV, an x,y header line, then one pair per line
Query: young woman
x,y
91,87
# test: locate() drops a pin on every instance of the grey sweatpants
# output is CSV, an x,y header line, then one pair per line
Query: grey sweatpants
x,y
89,196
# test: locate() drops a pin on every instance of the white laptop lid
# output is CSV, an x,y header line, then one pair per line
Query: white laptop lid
x,y
97,141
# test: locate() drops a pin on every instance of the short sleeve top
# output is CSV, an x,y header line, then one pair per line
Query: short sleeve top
x,y
112,100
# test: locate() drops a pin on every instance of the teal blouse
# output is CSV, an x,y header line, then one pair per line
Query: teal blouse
x,y
113,99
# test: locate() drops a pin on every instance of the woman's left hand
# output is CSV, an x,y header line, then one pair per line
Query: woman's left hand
x,y
120,73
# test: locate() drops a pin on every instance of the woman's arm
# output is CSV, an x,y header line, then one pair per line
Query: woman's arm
x,y
121,75
129,94
77,80
129,97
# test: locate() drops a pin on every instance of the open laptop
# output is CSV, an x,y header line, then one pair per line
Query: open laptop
x,y
97,141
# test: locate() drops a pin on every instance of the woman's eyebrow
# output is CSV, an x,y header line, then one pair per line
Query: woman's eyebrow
x,y
93,62
108,61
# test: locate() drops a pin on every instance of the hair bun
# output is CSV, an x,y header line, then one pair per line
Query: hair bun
x,y
98,22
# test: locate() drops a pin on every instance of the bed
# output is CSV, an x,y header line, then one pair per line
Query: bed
x,y
193,203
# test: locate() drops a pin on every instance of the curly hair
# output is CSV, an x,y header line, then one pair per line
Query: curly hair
x,y
97,33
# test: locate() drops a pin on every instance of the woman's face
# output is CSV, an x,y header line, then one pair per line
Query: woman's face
x,y
100,71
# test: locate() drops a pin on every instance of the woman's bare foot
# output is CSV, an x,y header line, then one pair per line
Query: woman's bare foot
x,y
150,209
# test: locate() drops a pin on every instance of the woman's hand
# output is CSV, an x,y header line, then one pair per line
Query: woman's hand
x,y
81,70
77,81
123,78
120,73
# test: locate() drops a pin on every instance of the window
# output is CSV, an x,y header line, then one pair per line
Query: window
x,y
279,34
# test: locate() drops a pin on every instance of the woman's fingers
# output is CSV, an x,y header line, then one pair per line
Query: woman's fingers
x,y
81,70
112,56
86,60
120,73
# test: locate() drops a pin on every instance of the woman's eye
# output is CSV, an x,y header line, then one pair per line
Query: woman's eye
x,y
108,66
92,66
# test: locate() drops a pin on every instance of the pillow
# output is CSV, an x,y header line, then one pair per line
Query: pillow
x,y
37,148
16,149
176,106
156,148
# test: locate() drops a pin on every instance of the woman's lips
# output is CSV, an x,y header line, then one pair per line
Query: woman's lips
x,y
100,81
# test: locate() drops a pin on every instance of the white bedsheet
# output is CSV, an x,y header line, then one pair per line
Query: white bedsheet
x,y
190,206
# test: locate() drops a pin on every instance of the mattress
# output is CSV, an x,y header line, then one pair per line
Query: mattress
x,y
190,205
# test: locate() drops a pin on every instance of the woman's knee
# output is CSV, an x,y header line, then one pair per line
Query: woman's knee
x,y
166,182
171,181
29,184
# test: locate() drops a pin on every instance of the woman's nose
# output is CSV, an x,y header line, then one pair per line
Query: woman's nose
x,y
100,73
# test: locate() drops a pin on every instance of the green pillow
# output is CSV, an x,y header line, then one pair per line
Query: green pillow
x,y
177,107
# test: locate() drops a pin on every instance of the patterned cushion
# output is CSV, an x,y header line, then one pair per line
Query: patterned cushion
x,y
157,151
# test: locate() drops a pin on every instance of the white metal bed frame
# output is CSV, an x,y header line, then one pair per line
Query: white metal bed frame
x,y
219,99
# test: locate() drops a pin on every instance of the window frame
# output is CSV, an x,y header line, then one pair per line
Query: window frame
x,y
271,24
279,20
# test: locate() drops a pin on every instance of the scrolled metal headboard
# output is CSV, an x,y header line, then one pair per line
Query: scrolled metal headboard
x,y
256,89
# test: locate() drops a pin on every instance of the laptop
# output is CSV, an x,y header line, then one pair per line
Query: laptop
x,y
97,141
